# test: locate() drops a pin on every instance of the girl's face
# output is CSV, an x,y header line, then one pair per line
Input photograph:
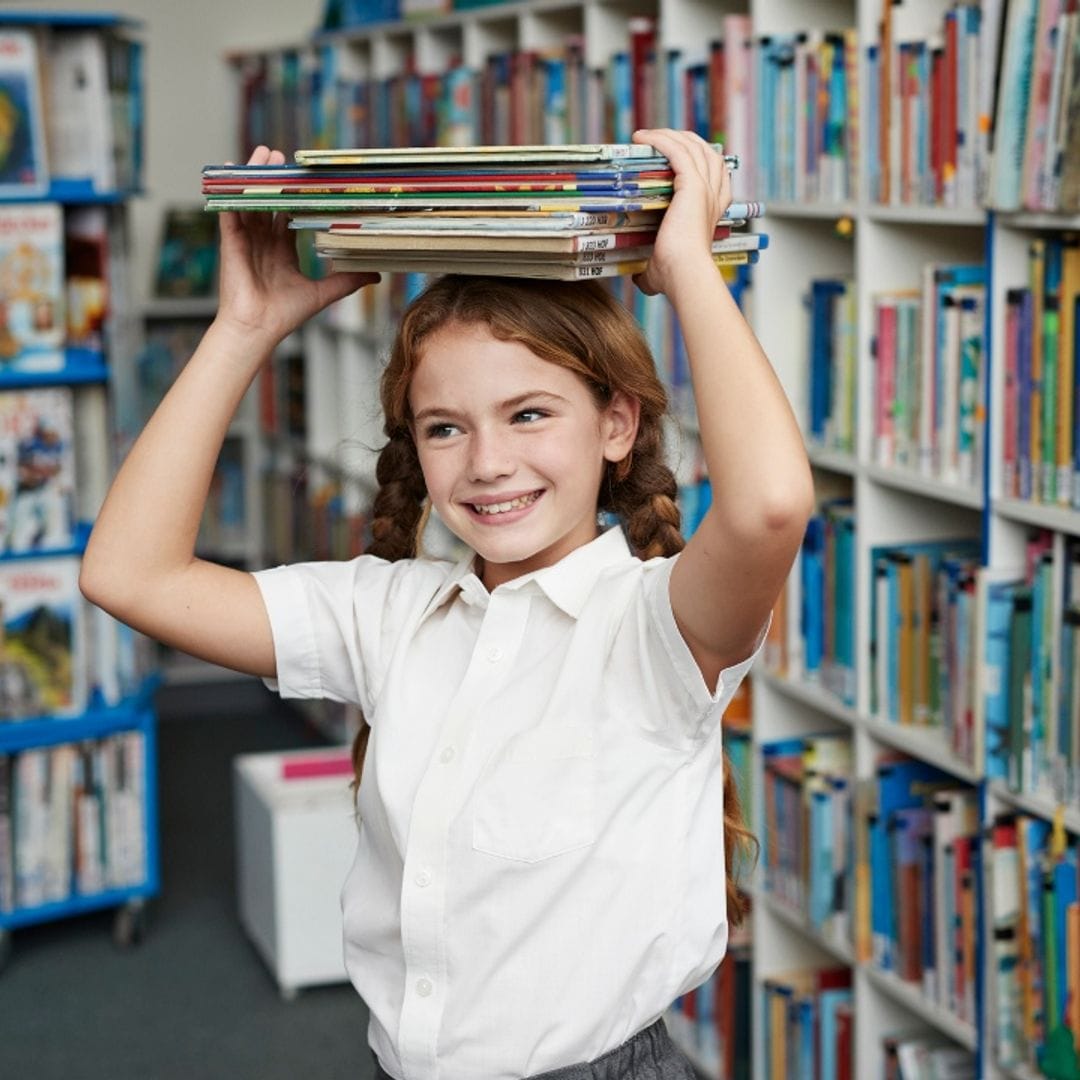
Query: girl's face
x,y
512,448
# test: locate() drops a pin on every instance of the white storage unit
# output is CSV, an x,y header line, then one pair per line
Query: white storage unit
x,y
295,841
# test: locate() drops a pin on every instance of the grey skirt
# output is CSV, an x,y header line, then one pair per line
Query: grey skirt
x,y
649,1055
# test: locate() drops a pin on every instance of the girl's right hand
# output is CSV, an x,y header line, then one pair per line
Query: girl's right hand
x,y
263,294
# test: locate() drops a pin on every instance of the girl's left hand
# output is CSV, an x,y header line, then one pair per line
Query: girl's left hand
x,y
702,195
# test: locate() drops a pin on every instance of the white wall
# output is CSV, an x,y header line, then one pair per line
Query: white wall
x,y
190,117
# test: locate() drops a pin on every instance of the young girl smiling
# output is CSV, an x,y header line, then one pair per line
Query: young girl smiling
x,y
546,824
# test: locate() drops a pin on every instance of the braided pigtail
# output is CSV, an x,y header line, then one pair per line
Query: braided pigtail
x,y
399,503
642,491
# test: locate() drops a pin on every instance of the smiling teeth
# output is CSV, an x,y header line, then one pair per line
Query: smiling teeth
x,y
505,507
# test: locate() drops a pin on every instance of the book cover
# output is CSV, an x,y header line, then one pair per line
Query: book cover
x,y
42,668
187,254
23,156
86,271
32,320
37,470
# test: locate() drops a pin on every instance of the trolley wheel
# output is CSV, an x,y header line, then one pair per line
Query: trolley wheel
x,y
129,925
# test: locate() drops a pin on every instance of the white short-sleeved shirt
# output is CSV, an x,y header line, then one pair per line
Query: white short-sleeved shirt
x,y
540,867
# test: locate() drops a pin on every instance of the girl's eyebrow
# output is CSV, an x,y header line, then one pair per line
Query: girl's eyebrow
x,y
503,406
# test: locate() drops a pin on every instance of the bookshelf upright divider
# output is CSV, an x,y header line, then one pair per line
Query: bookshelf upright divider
x,y
881,258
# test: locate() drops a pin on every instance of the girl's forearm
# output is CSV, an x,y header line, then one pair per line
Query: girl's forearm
x,y
750,438
147,527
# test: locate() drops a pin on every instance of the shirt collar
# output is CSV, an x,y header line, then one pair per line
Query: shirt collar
x,y
567,584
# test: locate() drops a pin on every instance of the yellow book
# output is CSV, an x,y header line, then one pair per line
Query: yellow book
x,y
1070,292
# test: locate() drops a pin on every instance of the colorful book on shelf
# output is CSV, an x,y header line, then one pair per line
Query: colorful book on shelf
x,y
42,649
37,470
23,154
32,321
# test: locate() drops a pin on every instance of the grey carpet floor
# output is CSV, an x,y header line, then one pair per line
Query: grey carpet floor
x,y
194,1000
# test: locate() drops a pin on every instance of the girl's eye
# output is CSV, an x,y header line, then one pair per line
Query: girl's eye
x,y
440,431
529,416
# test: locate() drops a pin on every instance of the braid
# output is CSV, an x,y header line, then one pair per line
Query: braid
x,y
397,516
399,502
645,496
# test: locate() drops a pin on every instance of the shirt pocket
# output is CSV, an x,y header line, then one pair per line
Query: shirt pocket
x,y
537,799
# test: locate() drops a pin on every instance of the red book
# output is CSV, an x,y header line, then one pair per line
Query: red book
x,y
844,1033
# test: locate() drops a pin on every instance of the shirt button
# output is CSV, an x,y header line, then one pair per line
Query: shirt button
x,y
423,879
494,654
424,987
447,755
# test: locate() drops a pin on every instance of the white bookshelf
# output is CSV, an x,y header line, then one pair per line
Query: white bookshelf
x,y
881,248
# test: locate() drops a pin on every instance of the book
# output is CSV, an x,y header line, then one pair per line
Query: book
x,y
636,247
80,109
42,668
24,166
86,275
475,154
32,320
37,470
187,254
552,270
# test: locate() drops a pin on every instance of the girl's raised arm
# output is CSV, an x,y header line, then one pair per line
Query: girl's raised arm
x,y
140,563
728,577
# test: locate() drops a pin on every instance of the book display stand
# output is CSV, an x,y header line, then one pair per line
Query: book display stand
x,y
78,800
912,761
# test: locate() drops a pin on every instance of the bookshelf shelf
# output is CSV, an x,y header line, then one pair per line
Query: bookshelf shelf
x,y
812,211
1039,805
833,460
839,949
929,1011
925,215
810,694
1057,518
925,744
926,486
81,366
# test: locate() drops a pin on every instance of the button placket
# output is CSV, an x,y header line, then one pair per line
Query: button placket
x,y
435,807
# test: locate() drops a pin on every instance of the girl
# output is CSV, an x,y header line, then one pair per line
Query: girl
x,y
541,868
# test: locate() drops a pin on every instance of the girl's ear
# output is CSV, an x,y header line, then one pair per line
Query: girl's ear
x,y
620,425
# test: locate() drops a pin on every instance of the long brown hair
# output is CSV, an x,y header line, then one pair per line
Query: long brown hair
x,y
582,327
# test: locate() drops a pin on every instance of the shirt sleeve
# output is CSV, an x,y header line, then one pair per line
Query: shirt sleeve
x,y
335,624
680,703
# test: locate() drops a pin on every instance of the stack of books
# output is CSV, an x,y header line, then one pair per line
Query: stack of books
x,y
559,212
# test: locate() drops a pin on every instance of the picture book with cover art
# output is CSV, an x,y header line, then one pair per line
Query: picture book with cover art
x,y
42,671
31,287
23,157
37,470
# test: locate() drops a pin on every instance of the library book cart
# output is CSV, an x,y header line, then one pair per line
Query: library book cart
x,y
911,747
78,810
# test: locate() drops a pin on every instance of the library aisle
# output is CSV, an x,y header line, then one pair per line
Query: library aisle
x,y
194,999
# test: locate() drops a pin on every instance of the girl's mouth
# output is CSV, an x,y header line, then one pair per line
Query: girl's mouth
x,y
510,510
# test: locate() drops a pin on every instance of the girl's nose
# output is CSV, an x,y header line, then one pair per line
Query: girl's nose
x,y
489,457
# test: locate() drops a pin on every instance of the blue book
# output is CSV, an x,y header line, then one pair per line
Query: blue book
x,y
873,113
813,581
995,685
900,784
828,1001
